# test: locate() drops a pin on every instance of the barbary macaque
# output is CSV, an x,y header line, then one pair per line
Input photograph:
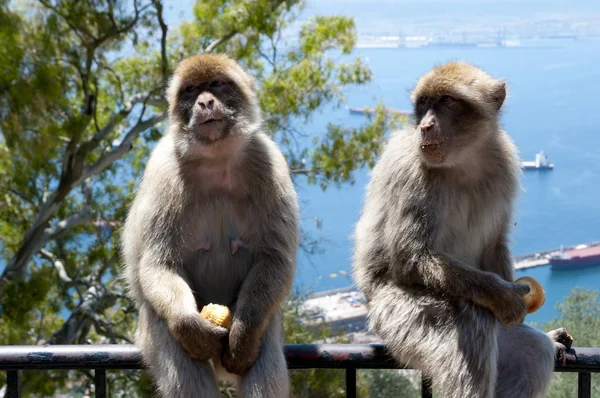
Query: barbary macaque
x,y
214,221
431,246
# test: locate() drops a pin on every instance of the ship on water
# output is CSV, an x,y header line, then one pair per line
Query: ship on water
x,y
541,162
583,256
362,111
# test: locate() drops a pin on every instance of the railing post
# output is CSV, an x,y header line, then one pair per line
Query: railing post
x,y
100,383
584,385
351,382
12,384
426,387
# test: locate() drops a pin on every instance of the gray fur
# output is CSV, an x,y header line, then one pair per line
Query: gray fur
x,y
194,199
432,259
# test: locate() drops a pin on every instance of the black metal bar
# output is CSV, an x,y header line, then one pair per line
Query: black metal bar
x,y
101,356
426,387
12,384
100,383
351,382
299,356
584,385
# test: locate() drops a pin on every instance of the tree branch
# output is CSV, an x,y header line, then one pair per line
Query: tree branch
x,y
60,267
305,171
95,301
118,117
110,157
163,41
68,223
212,46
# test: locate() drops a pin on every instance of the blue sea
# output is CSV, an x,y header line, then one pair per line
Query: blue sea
x,y
553,105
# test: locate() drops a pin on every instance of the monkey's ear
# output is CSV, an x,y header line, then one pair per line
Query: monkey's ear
x,y
499,95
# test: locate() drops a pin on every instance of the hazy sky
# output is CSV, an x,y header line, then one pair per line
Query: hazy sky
x,y
388,16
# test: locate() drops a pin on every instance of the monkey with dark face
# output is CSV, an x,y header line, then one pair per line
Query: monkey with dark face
x,y
431,252
215,220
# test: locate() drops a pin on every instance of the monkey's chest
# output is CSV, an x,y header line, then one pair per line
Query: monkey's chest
x,y
466,226
220,253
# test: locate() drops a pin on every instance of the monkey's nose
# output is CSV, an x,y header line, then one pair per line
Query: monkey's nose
x,y
426,128
209,104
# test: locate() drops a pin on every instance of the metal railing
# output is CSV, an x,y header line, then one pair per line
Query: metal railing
x,y
299,356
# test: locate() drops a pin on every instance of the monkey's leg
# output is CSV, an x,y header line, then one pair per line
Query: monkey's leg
x,y
525,362
173,371
454,343
268,377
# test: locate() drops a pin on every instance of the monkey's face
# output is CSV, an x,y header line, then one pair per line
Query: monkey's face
x,y
208,110
213,105
456,107
447,128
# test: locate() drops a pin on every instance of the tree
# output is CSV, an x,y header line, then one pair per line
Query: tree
x,y
311,383
580,315
81,106
387,383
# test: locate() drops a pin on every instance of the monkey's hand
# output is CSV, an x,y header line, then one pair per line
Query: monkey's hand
x,y
198,337
508,305
242,349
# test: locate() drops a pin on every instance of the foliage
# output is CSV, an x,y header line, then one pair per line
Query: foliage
x,y
387,383
81,106
580,315
310,383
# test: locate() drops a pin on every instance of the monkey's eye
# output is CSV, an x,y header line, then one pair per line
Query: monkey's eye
x,y
422,100
190,89
446,99
217,83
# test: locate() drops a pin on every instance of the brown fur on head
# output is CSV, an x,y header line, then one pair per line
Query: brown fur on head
x,y
456,107
212,100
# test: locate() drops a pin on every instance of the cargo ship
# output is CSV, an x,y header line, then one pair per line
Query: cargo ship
x,y
582,256
541,162
362,111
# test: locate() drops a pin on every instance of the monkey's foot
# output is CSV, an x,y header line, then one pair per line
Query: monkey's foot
x,y
561,335
205,244
236,244
562,342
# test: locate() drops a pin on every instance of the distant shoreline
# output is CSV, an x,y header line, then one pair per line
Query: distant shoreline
x,y
525,259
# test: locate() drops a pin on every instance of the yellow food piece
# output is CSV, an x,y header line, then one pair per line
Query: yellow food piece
x,y
536,296
218,315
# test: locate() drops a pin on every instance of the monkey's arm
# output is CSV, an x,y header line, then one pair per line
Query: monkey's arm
x,y
497,258
172,299
447,276
264,289
423,266
167,292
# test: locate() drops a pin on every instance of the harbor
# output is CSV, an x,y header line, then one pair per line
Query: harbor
x,y
344,309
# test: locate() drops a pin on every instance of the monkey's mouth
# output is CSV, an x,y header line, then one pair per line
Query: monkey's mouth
x,y
433,150
433,144
211,120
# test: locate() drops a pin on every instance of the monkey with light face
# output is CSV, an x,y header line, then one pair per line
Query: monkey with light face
x,y
215,220
431,252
